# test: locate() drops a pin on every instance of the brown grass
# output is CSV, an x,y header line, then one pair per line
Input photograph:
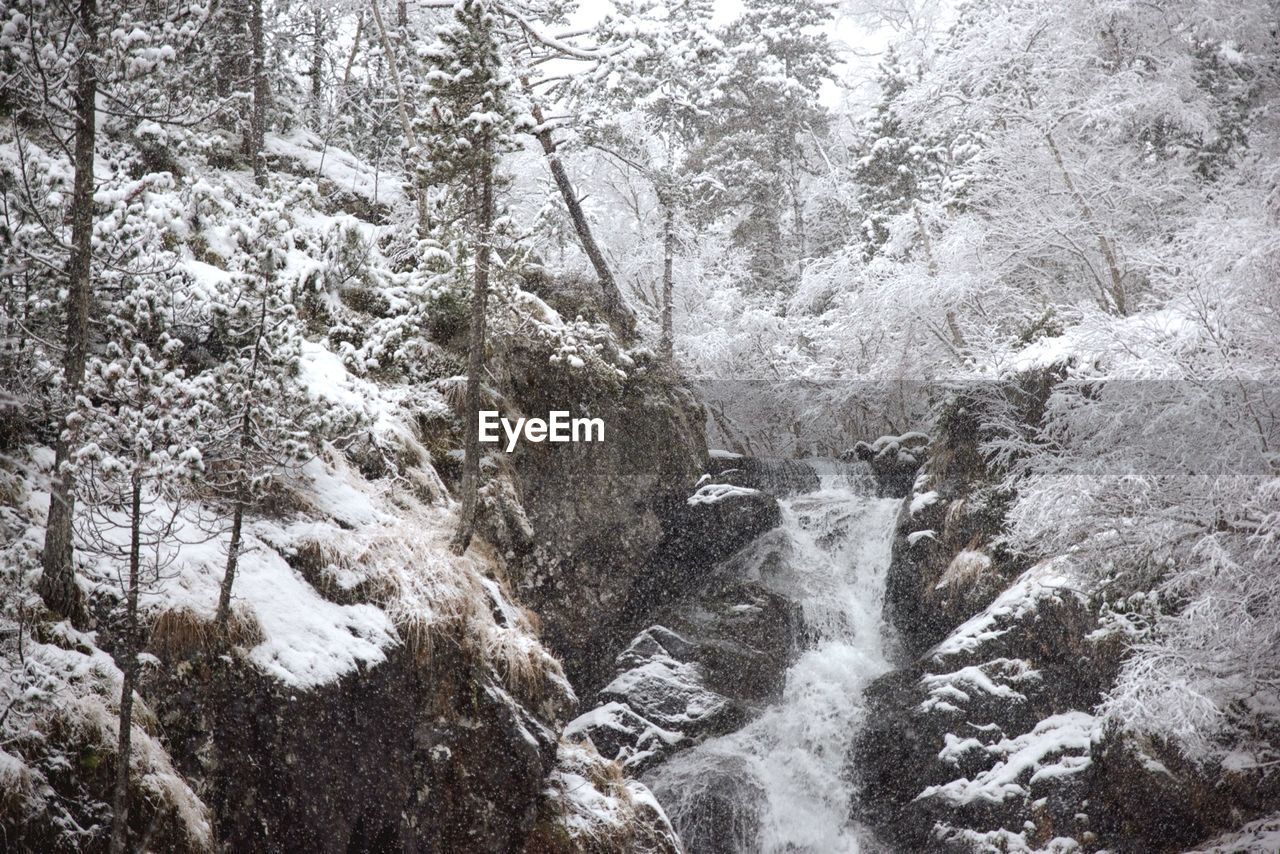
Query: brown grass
x,y
181,633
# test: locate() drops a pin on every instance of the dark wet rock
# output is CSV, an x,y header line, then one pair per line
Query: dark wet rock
x,y
707,527
747,637
993,726
589,517
719,812
404,755
657,702
893,459
1153,799
779,478
947,563
719,654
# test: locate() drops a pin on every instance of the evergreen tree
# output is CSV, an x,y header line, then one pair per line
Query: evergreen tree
x,y
467,122
139,450
256,416
60,65
763,122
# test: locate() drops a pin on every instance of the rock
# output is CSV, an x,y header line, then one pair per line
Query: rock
x,y
726,800
704,529
658,701
1150,798
618,732
721,653
590,808
779,478
894,460
986,738
597,513
994,724
396,757
945,567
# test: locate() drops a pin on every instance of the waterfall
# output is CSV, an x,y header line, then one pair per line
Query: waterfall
x,y
779,783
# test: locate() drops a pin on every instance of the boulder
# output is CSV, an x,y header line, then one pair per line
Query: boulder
x,y
893,459
994,724
658,701
393,757
707,527
779,478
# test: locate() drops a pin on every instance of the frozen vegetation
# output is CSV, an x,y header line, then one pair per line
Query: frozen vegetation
x,y
937,349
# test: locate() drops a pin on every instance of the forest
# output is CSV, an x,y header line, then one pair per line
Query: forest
x,y
934,347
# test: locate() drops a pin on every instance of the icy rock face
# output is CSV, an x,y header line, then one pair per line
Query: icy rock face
x,y
894,460
993,723
944,567
394,757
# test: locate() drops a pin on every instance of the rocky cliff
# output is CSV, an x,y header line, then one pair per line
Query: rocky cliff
x,y
985,736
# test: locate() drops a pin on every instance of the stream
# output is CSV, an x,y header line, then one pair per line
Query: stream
x,y
779,784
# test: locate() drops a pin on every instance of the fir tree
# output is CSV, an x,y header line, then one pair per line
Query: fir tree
x,y
467,123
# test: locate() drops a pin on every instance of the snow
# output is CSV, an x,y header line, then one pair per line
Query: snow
x,y
331,491
718,454
714,493
922,500
1048,578
667,692
1256,837
960,685
966,568
344,169
1057,746
916,536
596,803
310,641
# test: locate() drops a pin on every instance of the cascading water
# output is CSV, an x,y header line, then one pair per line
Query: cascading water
x,y
779,783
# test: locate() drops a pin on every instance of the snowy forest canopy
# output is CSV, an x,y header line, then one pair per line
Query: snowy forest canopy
x,y
241,236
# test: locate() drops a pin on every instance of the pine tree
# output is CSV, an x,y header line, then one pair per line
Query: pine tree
x,y
59,64
763,122
259,422
139,450
467,123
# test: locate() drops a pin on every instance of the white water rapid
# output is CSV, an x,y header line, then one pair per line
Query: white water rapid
x,y
779,783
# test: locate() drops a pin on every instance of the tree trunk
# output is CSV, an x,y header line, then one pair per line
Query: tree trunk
x,y
316,72
406,127
953,325
58,582
229,576
1116,296
668,280
261,94
129,666
475,357
246,439
351,57
615,305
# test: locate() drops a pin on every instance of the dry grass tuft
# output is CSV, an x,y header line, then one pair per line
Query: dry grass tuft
x,y
180,633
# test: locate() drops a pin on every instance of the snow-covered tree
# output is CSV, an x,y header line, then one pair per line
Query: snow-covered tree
x,y
762,124
139,447
62,68
467,122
